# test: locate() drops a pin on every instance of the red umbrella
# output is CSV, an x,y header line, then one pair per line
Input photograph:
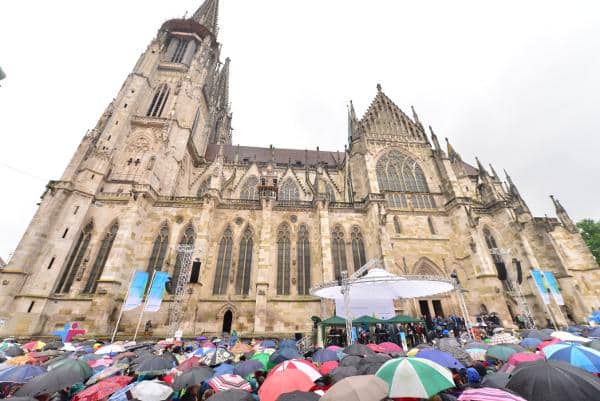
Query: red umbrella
x,y
102,389
188,363
284,382
548,342
376,348
328,366
391,347
515,359
302,365
101,362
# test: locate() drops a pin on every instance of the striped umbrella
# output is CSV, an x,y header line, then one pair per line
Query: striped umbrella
x,y
577,355
229,382
415,377
488,394
302,365
477,354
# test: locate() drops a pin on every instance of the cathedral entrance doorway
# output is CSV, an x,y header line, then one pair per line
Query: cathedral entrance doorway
x,y
424,307
227,320
437,308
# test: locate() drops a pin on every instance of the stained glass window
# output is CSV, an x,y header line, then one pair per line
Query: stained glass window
x,y
250,188
289,190
159,249
283,260
244,268
303,250
74,262
338,251
358,248
223,263
98,268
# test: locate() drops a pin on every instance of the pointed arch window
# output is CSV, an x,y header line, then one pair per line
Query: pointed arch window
x,y
358,248
250,188
203,188
303,249
397,225
179,51
158,101
75,259
98,268
244,270
188,238
490,241
400,176
283,260
159,249
223,263
289,190
330,192
338,251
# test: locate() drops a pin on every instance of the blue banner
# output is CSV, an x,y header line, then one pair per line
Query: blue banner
x,y
155,295
137,288
539,283
551,280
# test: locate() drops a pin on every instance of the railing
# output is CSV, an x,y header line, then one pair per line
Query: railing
x,y
284,204
341,205
253,204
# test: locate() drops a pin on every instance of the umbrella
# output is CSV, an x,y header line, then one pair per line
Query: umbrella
x,y
495,379
546,343
328,366
500,352
240,348
595,344
103,389
103,374
231,395
324,355
530,343
33,345
56,379
458,353
121,395
441,358
375,348
268,344
51,353
476,354
476,345
566,336
216,357
248,367
553,381
519,358
504,338
488,394
283,355
391,347
21,360
101,362
415,377
302,365
284,382
21,374
261,357
350,360
577,355
13,350
333,348
153,366
151,390
224,368
57,344
448,342
370,364
595,332
204,350
540,335
192,376
358,388
191,362
229,382
299,396
287,343
110,349
342,372
358,350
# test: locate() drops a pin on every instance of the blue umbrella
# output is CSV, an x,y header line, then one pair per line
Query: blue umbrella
x,y
577,355
441,358
288,344
595,332
247,368
283,355
324,355
530,343
20,374
268,344
224,369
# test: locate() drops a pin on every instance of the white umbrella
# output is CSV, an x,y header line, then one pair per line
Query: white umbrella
x,y
110,349
68,347
151,390
566,336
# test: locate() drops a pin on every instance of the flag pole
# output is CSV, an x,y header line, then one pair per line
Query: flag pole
x,y
112,339
137,328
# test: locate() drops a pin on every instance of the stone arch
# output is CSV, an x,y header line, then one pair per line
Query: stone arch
x,y
224,308
427,267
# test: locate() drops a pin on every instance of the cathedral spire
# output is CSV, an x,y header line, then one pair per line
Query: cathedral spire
x,y
452,154
563,216
207,15
434,138
511,185
482,171
494,174
222,90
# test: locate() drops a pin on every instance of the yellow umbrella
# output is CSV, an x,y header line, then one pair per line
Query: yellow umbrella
x,y
413,352
20,360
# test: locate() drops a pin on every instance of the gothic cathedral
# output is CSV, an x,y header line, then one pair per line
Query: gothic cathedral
x,y
266,224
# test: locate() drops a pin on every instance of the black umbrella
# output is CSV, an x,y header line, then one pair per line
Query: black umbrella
x,y
595,344
56,379
424,346
342,372
13,350
516,347
476,345
57,344
299,396
496,380
231,395
154,365
366,367
192,376
350,360
358,350
283,354
539,335
248,367
553,381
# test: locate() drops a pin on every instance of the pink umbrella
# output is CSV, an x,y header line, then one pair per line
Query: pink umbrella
x,y
376,348
548,342
328,366
488,394
515,359
188,363
100,362
391,347
333,348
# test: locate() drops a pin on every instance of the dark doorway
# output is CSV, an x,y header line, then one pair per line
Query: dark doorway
x,y
424,306
437,307
227,319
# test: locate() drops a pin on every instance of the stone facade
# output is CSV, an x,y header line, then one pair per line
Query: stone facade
x,y
269,223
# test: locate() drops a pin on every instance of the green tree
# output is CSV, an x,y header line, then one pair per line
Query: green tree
x,y
590,231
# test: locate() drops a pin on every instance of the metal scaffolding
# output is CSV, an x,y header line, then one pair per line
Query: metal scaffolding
x,y
176,313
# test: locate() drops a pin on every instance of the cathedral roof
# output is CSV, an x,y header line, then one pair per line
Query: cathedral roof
x,y
295,157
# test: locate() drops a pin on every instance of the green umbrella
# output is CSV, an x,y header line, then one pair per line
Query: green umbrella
x,y
500,352
263,358
334,321
415,377
366,320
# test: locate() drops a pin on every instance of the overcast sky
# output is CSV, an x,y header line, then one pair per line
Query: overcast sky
x,y
515,83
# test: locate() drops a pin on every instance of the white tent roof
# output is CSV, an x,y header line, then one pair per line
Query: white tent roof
x,y
381,284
